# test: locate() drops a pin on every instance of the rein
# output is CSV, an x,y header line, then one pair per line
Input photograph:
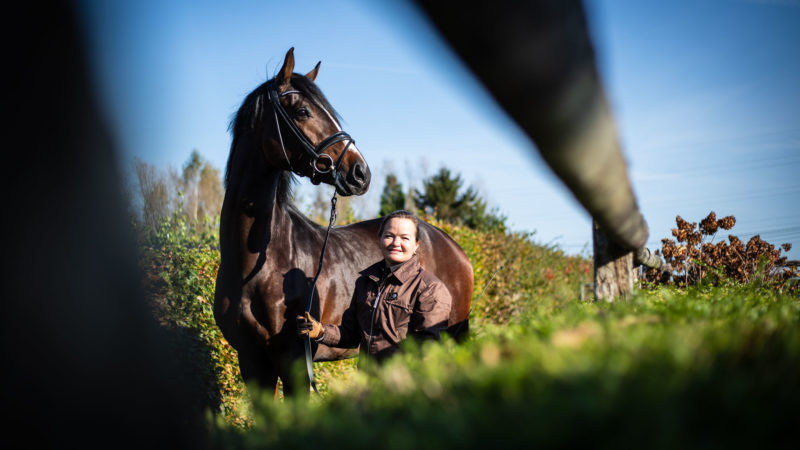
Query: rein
x,y
309,356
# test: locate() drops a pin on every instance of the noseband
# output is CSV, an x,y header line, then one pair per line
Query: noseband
x,y
314,153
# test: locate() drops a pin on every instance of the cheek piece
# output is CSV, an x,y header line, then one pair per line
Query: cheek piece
x,y
321,163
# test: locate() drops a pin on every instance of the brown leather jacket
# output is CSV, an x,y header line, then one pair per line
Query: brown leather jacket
x,y
390,305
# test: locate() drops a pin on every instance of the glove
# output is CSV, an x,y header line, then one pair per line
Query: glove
x,y
307,325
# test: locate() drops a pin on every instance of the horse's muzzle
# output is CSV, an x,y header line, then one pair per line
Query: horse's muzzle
x,y
353,179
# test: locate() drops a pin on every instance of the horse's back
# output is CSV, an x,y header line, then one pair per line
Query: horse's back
x,y
447,260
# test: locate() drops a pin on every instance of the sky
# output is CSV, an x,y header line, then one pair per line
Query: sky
x,y
705,94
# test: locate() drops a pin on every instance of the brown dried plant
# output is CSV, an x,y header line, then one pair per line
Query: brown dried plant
x,y
692,260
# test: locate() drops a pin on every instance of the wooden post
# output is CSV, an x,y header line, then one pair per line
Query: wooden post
x,y
613,268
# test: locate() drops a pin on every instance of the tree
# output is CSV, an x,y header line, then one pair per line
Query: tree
x,y
319,210
210,191
440,197
478,218
200,190
195,193
188,184
392,197
154,187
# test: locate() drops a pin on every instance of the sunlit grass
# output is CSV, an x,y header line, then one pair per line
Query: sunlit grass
x,y
668,368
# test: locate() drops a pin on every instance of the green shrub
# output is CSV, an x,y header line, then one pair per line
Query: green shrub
x,y
180,267
525,273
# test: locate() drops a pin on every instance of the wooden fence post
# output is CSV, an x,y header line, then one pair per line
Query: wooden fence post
x,y
613,268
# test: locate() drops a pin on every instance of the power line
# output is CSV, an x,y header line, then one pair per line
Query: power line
x,y
696,201
719,140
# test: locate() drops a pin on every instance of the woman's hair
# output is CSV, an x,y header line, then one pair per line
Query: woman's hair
x,y
400,214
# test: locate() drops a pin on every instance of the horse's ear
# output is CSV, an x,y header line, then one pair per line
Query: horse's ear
x,y
313,74
287,68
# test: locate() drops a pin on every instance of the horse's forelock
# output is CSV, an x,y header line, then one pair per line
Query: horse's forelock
x,y
312,92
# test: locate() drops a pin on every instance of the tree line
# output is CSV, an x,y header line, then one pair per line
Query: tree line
x,y
195,193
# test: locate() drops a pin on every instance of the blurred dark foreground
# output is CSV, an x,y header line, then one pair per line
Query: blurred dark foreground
x,y
84,365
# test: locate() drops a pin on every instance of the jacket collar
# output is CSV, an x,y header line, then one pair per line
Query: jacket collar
x,y
402,272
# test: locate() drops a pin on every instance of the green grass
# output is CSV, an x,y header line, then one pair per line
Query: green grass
x,y
705,368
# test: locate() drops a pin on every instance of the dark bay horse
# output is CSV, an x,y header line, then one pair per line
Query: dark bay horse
x,y
270,251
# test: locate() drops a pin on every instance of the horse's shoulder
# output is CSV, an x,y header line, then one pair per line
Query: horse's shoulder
x,y
371,271
428,278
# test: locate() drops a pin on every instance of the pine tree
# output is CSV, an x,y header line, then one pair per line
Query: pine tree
x,y
440,197
392,197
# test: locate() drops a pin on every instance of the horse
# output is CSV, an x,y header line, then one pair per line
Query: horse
x,y
269,250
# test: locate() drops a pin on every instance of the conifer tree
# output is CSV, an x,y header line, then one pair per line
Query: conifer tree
x,y
392,197
440,197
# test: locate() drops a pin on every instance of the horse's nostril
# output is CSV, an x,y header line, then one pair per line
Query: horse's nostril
x,y
358,176
358,172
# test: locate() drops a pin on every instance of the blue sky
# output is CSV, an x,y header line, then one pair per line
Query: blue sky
x,y
706,95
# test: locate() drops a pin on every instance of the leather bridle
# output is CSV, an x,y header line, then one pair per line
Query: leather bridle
x,y
315,153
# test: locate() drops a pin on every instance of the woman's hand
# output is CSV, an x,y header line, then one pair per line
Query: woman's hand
x,y
308,325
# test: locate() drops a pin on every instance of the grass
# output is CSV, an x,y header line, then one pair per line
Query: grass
x,y
700,368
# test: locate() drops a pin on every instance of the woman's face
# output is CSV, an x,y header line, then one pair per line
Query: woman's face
x,y
399,240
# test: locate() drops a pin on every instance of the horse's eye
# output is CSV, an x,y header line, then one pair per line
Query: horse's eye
x,y
303,113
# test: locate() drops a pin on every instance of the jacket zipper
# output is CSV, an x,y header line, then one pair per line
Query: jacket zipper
x,y
372,319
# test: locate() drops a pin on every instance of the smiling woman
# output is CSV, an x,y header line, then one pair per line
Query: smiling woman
x,y
399,234
394,299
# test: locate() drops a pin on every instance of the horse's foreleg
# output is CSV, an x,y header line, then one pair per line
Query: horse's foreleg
x,y
258,367
293,371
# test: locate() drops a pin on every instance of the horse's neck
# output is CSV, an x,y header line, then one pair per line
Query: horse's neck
x,y
278,211
258,210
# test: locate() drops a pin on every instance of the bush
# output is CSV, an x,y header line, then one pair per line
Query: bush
x,y
180,267
180,262
700,366
694,258
525,273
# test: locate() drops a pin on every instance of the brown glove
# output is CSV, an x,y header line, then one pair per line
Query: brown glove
x,y
307,325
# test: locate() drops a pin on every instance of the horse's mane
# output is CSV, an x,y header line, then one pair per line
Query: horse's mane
x,y
252,115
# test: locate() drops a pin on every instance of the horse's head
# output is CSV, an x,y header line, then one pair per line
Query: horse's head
x,y
306,137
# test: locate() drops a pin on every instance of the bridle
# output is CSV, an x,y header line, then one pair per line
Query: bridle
x,y
315,153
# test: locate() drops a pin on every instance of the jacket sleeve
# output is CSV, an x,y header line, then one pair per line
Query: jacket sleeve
x,y
347,334
431,311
